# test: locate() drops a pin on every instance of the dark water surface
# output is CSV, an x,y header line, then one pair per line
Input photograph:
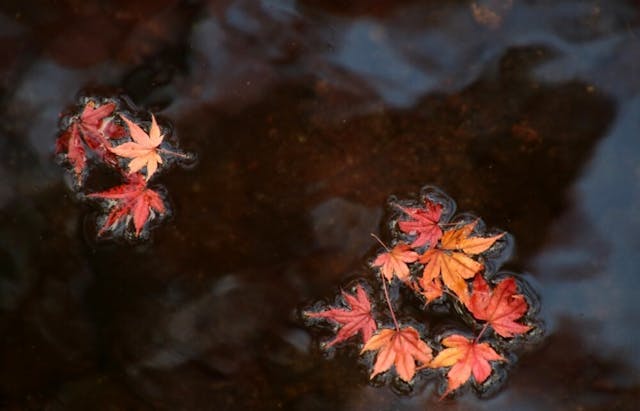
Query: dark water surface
x,y
306,115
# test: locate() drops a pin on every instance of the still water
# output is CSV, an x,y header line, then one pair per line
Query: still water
x,y
306,115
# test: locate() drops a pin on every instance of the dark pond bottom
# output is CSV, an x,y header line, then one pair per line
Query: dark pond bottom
x,y
306,116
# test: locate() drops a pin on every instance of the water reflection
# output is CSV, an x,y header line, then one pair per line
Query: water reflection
x,y
608,196
306,117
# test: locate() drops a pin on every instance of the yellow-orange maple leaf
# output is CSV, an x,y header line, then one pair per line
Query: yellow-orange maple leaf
x,y
395,262
401,348
465,357
143,150
452,262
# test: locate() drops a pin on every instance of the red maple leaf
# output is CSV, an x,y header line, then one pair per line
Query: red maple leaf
x,y
96,127
465,357
91,128
357,319
131,201
400,347
424,223
71,143
395,262
500,308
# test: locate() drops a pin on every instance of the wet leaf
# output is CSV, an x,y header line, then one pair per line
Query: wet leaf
x,y
452,261
356,319
402,348
70,143
91,128
500,307
459,239
423,224
143,150
131,201
465,357
394,262
430,288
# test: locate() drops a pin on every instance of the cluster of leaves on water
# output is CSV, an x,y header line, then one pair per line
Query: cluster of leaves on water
x,y
443,262
99,132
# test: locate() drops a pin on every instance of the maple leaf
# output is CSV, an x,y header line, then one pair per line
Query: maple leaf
x,y
431,288
424,224
71,143
143,150
465,357
94,125
90,127
394,262
92,116
401,348
357,319
451,259
500,308
459,239
132,200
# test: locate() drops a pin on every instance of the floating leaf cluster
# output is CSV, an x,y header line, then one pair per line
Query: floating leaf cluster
x,y
443,262
100,133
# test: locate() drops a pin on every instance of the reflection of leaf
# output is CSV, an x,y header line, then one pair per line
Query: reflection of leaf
x,y
401,348
357,319
132,200
423,223
465,357
394,262
500,307
143,149
451,260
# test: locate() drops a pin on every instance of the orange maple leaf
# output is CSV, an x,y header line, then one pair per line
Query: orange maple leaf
x,y
465,357
401,348
430,289
451,261
500,308
358,318
143,150
394,262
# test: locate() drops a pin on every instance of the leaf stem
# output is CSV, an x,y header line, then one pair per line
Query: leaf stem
x,y
452,294
174,153
380,241
449,224
384,286
386,296
484,328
